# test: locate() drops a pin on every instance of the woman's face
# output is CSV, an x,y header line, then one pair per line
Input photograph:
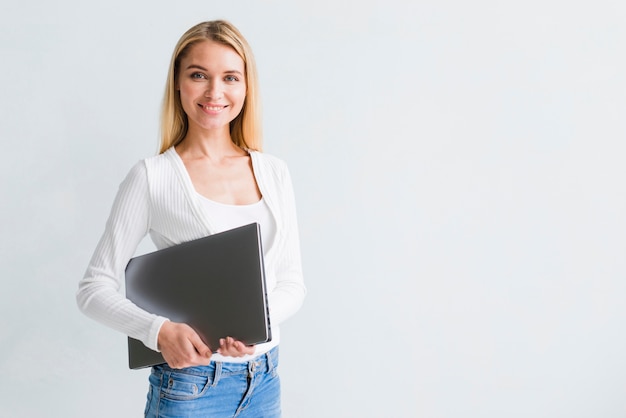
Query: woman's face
x,y
212,86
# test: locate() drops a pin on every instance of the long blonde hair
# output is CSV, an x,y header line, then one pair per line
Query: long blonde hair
x,y
245,129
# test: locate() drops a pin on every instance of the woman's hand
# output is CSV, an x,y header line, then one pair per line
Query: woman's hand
x,y
233,348
181,346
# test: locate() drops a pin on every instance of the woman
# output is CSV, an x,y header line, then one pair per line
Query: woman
x,y
210,176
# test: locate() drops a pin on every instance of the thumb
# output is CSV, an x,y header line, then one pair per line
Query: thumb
x,y
200,346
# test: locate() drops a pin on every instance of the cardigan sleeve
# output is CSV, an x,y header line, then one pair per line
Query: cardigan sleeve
x,y
288,295
98,293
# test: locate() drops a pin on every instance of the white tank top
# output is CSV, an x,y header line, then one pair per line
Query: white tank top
x,y
225,217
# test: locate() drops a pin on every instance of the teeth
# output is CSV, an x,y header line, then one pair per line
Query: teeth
x,y
214,108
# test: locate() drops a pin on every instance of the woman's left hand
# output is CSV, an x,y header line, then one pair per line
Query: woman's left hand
x,y
233,348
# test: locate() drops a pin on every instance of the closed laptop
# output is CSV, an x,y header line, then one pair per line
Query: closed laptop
x,y
215,284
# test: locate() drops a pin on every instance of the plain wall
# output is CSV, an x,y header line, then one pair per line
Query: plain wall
x,y
459,171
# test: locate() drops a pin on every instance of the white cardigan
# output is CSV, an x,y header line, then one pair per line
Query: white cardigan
x,y
158,197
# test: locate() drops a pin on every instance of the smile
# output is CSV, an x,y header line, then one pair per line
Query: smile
x,y
212,108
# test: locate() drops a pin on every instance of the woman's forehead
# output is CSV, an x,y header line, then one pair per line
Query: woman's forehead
x,y
212,55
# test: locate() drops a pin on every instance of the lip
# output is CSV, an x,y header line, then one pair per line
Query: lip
x,y
212,108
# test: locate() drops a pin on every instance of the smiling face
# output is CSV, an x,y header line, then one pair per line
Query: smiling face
x,y
212,86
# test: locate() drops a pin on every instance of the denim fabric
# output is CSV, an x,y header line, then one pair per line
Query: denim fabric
x,y
242,390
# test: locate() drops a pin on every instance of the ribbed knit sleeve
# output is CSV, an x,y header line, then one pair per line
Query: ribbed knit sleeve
x,y
98,293
284,262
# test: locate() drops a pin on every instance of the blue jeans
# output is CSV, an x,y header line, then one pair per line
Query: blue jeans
x,y
243,390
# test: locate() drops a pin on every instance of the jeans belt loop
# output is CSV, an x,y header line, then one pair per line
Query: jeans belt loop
x,y
269,363
217,373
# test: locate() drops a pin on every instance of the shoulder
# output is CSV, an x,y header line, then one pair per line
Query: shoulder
x,y
147,169
137,173
159,159
270,163
160,165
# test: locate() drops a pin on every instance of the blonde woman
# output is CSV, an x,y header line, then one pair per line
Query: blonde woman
x,y
209,176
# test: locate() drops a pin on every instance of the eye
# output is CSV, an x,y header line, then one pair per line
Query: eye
x,y
231,78
197,76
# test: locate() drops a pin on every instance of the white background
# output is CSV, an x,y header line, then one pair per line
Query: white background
x,y
459,172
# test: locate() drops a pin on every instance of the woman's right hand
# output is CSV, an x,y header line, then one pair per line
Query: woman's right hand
x,y
182,347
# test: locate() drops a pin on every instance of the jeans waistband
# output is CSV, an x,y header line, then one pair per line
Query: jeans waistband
x,y
266,362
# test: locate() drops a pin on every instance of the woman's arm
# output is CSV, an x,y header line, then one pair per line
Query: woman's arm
x,y
98,293
288,295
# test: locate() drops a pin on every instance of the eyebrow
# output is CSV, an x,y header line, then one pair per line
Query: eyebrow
x,y
199,67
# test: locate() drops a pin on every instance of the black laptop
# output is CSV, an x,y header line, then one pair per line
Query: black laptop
x,y
215,284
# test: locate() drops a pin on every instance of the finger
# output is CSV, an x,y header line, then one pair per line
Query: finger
x,y
227,347
235,345
247,349
224,343
203,350
239,348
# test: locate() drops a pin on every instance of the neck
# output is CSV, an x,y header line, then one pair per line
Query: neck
x,y
213,144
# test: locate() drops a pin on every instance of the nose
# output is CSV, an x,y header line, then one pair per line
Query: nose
x,y
214,89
